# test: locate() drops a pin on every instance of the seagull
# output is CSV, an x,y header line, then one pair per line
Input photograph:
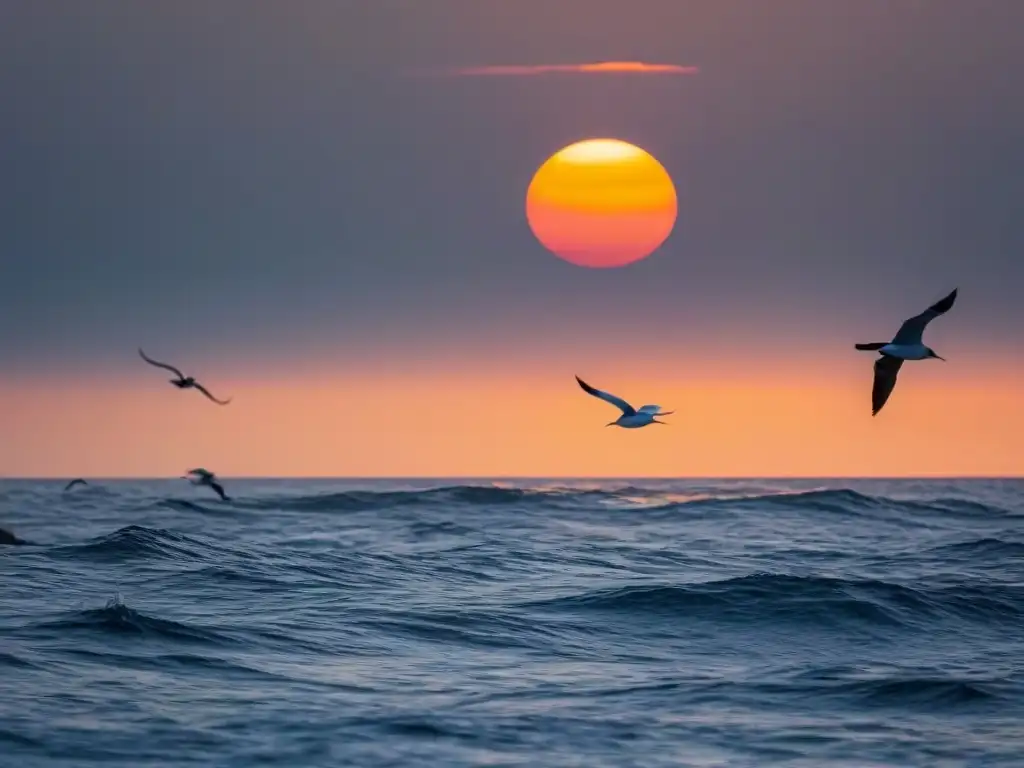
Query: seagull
x,y
201,476
73,483
631,417
182,382
906,345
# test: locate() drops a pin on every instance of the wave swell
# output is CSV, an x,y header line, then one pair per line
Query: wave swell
x,y
842,501
137,541
116,618
814,599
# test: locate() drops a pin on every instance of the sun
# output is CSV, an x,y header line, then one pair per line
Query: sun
x,y
601,203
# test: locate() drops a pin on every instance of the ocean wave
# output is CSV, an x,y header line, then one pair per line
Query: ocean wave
x,y
923,691
178,662
900,686
184,505
963,507
251,575
484,629
424,529
771,598
18,739
11,660
987,547
10,539
116,618
839,501
821,499
835,501
362,501
137,541
479,496
550,620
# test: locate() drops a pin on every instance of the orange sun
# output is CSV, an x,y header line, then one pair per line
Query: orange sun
x,y
601,203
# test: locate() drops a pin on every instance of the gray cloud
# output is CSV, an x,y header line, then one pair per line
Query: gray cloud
x,y
586,68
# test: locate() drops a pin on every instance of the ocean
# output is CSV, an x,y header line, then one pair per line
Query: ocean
x,y
513,623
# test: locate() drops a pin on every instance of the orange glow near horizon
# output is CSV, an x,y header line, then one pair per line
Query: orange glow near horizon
x,y
527,422
601,203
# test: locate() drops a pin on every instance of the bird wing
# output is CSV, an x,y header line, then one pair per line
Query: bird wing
x,y
886,371
912,330
206,392
219,490
158,364
73,483
200,472
653,409
618,402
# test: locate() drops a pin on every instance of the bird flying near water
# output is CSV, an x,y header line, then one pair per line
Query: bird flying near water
x,y
200,476
183,381
73,483
907,344
631,417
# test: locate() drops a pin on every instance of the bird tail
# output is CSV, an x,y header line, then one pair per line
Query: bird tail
x,y
872,347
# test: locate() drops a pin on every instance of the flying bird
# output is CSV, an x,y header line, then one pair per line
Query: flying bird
x,y
631,417
183,381
73,483
907,344
201,476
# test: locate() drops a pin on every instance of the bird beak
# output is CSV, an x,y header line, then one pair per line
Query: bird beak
x,y
660,422
940,358
610,424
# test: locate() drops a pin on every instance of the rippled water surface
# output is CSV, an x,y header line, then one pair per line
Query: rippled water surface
x,y
541,623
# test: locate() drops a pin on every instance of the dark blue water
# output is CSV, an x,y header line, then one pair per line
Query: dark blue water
x,y
555,623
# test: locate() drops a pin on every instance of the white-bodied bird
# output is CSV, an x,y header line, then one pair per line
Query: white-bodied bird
x,y
907,344
631,417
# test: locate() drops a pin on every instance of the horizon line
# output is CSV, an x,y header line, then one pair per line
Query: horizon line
x,y
118,478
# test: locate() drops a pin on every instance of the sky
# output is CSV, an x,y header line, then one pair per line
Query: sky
x,y
317,208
